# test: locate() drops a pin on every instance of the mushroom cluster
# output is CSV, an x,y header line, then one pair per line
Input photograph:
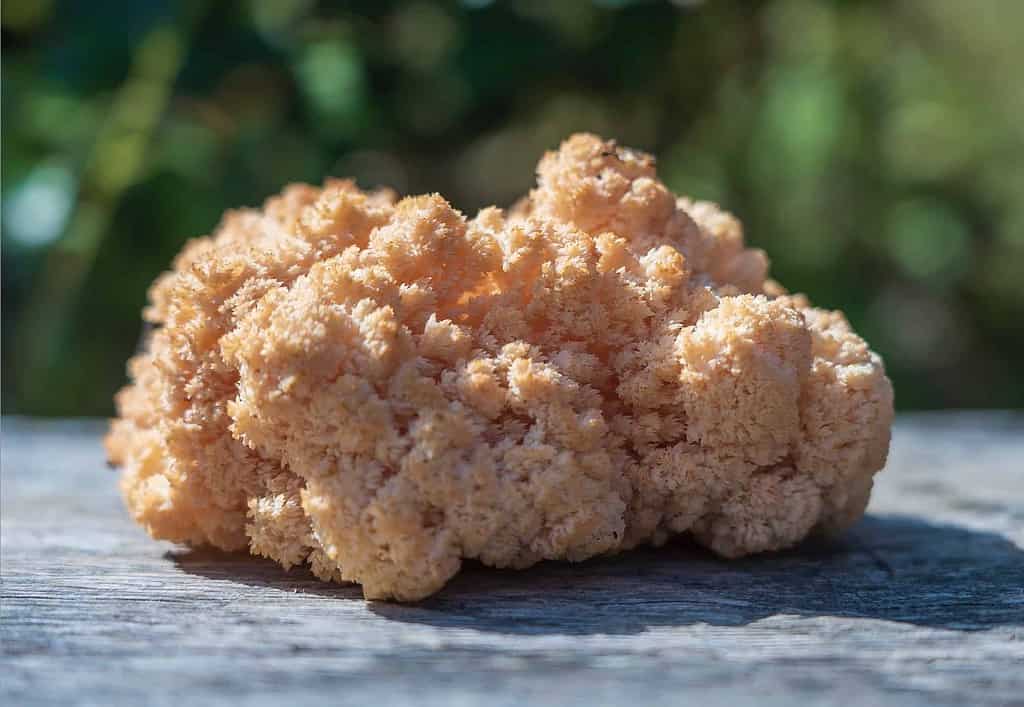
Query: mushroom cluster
x,y
382,388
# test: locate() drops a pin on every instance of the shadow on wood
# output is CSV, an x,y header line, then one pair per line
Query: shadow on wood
x,y
257,572
891,568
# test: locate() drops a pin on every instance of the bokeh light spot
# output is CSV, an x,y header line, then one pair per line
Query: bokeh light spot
x,y
36,211
423,35
332,74
928,239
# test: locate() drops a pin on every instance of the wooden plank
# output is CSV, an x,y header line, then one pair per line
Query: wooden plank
x,y
923,603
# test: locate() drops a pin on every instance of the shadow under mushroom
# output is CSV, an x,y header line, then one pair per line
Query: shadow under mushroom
x,y
890,568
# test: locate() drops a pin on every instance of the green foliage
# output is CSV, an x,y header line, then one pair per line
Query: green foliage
x,y
875,149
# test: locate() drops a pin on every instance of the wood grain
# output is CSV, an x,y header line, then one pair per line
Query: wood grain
x,y
921,604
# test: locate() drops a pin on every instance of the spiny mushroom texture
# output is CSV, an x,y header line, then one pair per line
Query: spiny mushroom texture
x,y
383,388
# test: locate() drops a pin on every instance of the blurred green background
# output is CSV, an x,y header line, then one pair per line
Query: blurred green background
x,y
875,149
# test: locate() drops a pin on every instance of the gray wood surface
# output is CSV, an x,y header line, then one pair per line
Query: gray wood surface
x,y
921,604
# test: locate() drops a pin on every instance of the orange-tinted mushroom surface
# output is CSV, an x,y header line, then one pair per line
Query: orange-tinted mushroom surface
x,y
384,388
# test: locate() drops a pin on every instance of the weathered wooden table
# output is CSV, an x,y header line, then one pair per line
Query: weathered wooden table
x,y
923,603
